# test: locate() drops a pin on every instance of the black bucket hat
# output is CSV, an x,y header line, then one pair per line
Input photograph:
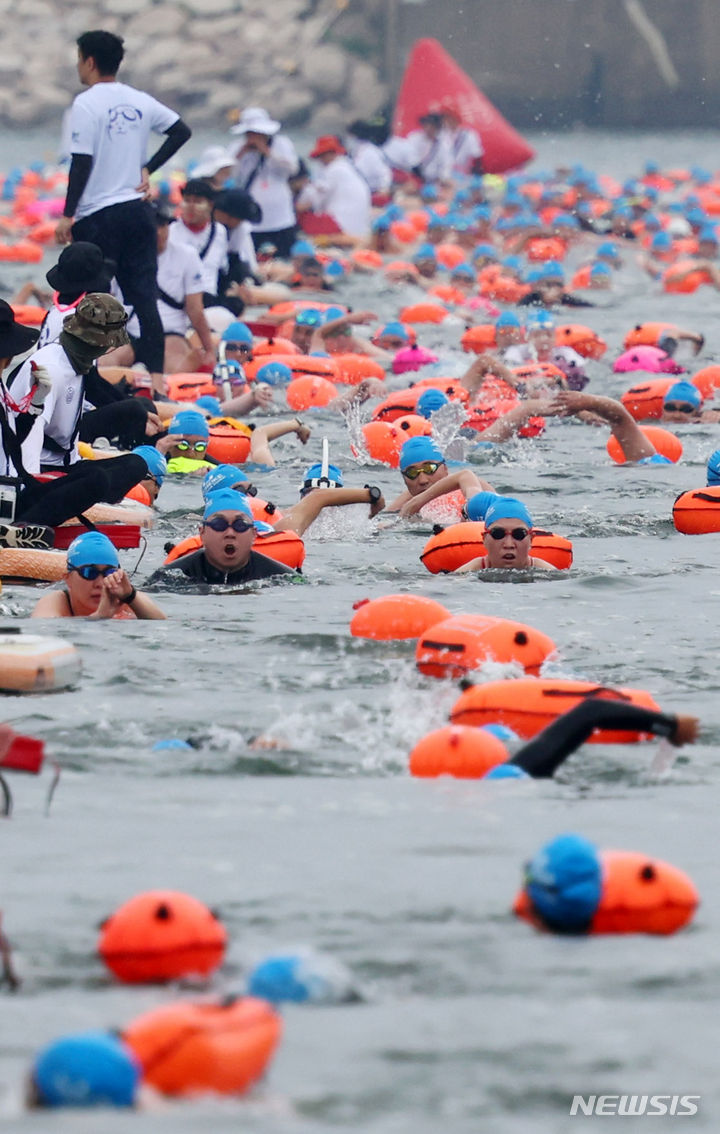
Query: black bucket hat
x,y
14,338
81,267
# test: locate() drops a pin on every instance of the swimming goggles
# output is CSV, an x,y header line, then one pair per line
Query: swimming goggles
x,y
516,533
679,407
90,573
427,467
245,347
220,524
308,318
196,446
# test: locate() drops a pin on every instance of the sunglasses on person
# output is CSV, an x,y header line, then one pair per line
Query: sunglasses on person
x,y
244,348
427,467
196,446
517,534
308,318
679,407
220,524
91,572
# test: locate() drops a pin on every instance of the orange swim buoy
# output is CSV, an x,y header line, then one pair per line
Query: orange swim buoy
x,y
457,750
353,368
479,339
413,425
423,313
184,547
285,546
383,442
639,895
395,617
229,441
310,392
647,334
645,400
697,512
193,1048
140,495
29,314
541,248
404,231
681,279
464,642
396,405
529,704
456,545
161,935
276,345
448,293
707,380
450,255
582,339
264,510
189,387
367,258
452,387
665,442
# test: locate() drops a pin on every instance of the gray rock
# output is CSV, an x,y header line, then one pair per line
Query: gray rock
x,y
164,20
211,7
329,118
365,92
325,69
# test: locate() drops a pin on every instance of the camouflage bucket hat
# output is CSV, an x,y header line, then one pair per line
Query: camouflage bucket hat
x,y
98,319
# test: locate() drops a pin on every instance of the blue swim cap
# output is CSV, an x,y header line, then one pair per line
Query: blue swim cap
x,y
417,450
608,249
485,250
508,319
708,234
302,248
507,508
88,1069
600,270
506,772
424,252
436,222
513,262
274,374
464,270
189,422
237,332
332,313
395,329
430,401
481,212
222,477
713,468
156,463
301,978
428,193
683,392
226,500
477,505
651,222
655,459
661,241
541,320
552,270
564,883
380,224
209,403
334,475
565,220
334,269
92,548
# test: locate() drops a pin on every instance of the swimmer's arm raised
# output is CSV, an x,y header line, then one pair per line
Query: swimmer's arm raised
x,y
508,424
623,426
299,518
464,479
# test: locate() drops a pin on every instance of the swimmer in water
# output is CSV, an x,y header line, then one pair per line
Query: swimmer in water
x,y
427,477
682,404
508,535
633,442
95,586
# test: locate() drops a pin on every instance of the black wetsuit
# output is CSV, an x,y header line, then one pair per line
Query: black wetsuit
x,y
195,566
542,755
535,299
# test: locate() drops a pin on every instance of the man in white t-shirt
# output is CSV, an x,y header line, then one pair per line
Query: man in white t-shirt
x,y
108,184
180,300
429,147
368,159
339,191
464,143
197,228
264,163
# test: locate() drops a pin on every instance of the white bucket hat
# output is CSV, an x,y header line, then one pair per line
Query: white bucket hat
x,y
257,120
212,160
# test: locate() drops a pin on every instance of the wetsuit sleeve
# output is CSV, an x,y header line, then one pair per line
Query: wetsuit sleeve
x,y
574,301
175,137
546,752
80,169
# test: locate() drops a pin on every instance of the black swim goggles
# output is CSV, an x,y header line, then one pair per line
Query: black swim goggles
x,y
91,572
516,533
427,467
220,524
246,348
196,446
679,407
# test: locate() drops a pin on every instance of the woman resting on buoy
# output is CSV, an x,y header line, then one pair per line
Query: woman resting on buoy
x,y
508,534
95,585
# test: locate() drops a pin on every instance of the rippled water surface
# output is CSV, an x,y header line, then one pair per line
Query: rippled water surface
x,y
469,1021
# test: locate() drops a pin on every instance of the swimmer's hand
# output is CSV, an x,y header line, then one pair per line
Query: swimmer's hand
x,y
115,588
144,187
686,730
303,431
411,508
63,230
262,395
568,402
43,383
153,425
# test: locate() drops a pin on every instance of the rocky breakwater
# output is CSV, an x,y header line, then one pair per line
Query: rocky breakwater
x,y
203,57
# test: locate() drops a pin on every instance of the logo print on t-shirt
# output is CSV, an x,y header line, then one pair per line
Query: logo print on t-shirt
x,y
69,395
122,119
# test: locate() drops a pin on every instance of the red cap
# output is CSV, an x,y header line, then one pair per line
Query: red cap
x,y
327,144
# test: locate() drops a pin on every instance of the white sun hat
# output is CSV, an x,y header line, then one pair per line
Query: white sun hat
x,y
212,160
257,120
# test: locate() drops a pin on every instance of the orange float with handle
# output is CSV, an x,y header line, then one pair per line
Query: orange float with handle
x,y
395,617
506,289
645,400
707,380
454,546
582,339
582,278
352,369
383,442
647,334
457,750
413,425
161,935
310,392
276,345
665,442
229,441
195,1048
697,512
189,387
397,404
528,705
140,495
638,894
423,313
464,642
452,387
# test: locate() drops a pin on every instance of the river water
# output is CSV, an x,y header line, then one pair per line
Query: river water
x,y
468,1020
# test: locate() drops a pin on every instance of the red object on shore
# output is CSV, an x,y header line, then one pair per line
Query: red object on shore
x,y
432,77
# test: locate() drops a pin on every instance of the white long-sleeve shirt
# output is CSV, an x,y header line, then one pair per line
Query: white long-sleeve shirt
x,y
371,163
340,191
61,411
269,187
